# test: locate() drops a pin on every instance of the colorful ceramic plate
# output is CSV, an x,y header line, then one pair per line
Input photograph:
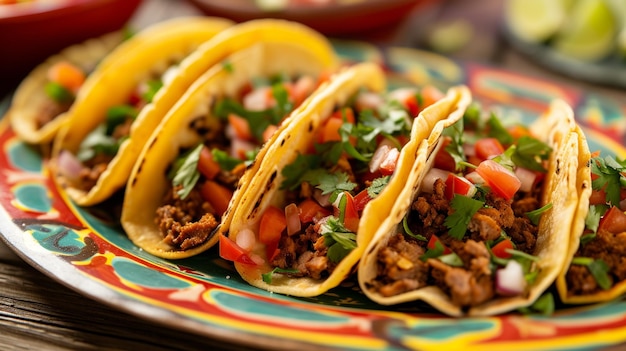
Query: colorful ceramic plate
x,y
87,251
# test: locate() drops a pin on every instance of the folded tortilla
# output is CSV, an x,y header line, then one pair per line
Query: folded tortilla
x,y
155,51
593,292
265,188
31,100
149,182
560,189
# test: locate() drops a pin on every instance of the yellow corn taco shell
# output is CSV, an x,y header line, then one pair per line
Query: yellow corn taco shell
x,y
264,189
148,182
31,100
584,189
150,52
554,227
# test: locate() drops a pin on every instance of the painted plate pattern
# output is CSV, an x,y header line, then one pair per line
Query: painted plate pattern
x,y
87,250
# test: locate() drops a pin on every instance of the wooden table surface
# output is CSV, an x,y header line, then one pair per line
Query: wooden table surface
x,y
38,313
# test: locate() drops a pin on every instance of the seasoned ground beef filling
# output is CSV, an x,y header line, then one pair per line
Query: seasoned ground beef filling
x,y
304,252
400,268
609,247
185,223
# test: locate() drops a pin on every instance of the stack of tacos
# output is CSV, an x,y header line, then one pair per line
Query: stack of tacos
x,y
487,215
209,145
51,88
329,180
251,135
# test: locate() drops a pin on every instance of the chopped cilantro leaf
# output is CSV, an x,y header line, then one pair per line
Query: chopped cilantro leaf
x,y
464,208
535,215
451,259
187,174
153,86
609,172
117,115
228,66
339,240
544,305
225,161
294,171
377,186
434,252
98,142
598,269
529,153
58,93
497,130
267,277
455,147
409,232
592,221
328,182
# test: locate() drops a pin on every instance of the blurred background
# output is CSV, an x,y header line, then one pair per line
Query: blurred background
x,y
581,42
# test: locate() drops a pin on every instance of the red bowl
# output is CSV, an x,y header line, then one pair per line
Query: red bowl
x,y
335,19
32,31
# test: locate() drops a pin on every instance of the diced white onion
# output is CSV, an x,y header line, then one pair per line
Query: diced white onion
x,y
378,157
246,239
239,148
526,177
292,214
475,178
323,200
430,177
510,279
68,165
469,150
368,101
257,100
258,260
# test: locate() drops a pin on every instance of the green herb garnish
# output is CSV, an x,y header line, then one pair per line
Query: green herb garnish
x,y
187,174
338,239
267,277
464,208
535,215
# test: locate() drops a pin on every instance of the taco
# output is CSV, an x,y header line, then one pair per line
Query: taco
x,y
595,271
124,97
207,148
50,89
480,230
328,180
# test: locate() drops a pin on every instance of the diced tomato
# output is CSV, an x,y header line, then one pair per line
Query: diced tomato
x,y
273,222
344,113
430,95
207,165
499,250
350,213
229,250
240,126
67,75
361,199
310,210
488,147
432,244
613,221
351,216
517,131
412,105
598,197
388,165
443,159
330,130
458,185
501,180
217,195
268,132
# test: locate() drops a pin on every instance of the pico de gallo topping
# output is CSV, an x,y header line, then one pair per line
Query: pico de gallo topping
x,y
599,262
102,144
64,79
473,228
351,159
204,178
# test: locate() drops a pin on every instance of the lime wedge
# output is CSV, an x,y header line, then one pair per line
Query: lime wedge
x,y
535,20
590,32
